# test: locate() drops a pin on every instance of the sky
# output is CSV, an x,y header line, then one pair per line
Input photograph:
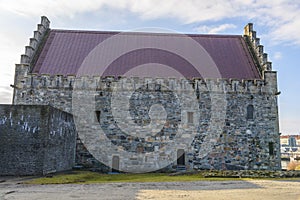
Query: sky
x,y
277,23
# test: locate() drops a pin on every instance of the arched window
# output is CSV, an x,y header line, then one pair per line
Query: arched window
x,y
250,111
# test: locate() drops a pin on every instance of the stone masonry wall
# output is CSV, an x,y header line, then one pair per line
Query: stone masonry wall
x,y
239,143
35,140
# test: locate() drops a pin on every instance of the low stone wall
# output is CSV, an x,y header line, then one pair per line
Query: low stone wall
x,y
35,140
242,173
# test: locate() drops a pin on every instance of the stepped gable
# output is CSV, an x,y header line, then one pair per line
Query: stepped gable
x,y
36,42
259,57
63,52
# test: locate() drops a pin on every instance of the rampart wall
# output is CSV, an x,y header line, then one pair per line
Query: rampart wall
x,y
35,140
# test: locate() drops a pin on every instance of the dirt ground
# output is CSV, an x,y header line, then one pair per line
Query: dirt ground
x,y
245,190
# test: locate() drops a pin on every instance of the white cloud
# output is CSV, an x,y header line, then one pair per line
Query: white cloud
x,y
281,17
215,29
277,55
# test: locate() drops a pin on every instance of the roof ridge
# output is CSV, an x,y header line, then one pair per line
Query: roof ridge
x,y
147,33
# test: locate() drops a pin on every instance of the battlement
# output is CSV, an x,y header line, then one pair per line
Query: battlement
x,y
71,82
35,41
257,50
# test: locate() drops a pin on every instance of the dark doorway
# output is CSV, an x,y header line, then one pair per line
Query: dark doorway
x,y
180,157
115,164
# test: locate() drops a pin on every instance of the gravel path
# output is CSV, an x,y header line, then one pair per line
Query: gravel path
x,y
245,190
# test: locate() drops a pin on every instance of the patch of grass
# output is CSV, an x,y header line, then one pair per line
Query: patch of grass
x,y
87,177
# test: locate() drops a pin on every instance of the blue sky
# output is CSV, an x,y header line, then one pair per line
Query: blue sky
x,y
277,23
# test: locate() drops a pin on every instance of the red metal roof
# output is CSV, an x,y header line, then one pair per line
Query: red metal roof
x,y
68,52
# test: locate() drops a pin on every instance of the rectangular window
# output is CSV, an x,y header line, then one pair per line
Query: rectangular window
x,y
97,116
190,117
250,110
271,148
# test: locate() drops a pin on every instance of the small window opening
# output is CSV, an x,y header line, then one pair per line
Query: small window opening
x,y
250,111
190,117
271,148
98,115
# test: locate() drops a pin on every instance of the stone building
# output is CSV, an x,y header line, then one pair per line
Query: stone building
x,y
214,97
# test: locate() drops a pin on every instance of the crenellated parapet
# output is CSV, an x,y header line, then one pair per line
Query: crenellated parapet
x,y
97,83
257,50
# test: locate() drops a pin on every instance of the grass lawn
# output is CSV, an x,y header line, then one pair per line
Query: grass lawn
x,y
93,177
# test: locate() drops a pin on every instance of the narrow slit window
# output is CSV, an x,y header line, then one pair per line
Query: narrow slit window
x,y
250,111
271,148
98,116
190,117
